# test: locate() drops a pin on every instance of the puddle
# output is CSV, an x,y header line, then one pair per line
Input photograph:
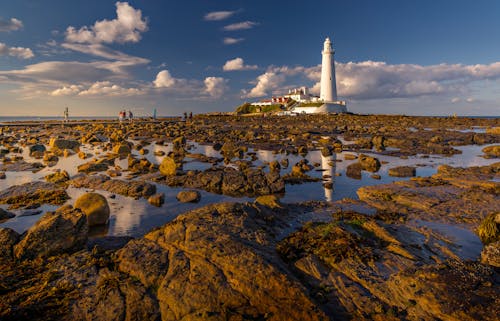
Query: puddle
x,y
136,217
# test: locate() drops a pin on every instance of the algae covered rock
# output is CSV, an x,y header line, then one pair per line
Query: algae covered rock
x,y
157,199
8,238
369,163
95,206
188,196
492,151
62,144
489,229
57,177
62,231
168,166
402,171
5,215
271,201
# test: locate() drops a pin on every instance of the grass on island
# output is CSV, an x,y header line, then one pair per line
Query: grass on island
x,y
248,108
310,104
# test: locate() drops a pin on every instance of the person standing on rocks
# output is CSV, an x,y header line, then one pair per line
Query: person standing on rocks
x,y
66,115
130,116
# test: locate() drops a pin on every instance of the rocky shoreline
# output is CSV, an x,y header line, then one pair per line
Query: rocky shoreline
x,y
418,248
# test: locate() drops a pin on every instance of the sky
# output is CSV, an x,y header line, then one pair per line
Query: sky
x,y
98,57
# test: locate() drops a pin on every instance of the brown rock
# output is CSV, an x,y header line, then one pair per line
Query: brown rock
x,y
168,166
402,171
188,196
96,208
8,238
62,231
157,199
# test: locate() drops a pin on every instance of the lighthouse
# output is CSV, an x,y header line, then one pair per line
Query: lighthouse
x,y
328,83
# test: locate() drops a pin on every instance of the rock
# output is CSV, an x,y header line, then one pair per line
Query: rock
x,y
188,196
135,189
96,208
402,171
37,150
8,238
284,163
93,166
378,142
274,166
271,201
62,231
354,170
491,254
122,149
179,142
489,229
168,166
493,130
326,151
2,175
492,151
33,195
5,215
369,163
62,144
58,177
350,157
159,153
376,176
82,155
157,199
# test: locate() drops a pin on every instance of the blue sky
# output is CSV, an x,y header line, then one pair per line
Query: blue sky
x,y
98,57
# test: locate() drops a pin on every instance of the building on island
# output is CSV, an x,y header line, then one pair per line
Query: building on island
x,y
300,100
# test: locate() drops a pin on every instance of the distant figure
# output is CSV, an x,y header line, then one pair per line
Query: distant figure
x,y
185,116
130,116
154,113
66,115
120,116
190,116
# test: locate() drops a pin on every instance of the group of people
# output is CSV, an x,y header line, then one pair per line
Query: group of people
x,y
122,115
186,117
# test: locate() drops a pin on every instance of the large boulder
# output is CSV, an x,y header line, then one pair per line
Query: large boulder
x,y
168,166
491,254
62,144
62,231
96,208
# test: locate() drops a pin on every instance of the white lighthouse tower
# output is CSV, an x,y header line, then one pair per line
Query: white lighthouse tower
x,y
328,82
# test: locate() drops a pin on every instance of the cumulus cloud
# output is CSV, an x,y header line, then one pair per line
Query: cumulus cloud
x,y
106,88
164,79
379,80
66,91
10,25
18,52
265,83
232,41
215,86
97,89
240,26
127,27
237,64
218,15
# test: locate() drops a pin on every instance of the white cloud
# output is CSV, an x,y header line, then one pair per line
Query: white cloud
x,y
164,79
265,83
66,91
97,89
10,25
215,86
18,52
232,41
379,80
240,26
127,27
218,15
237,64
106,88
